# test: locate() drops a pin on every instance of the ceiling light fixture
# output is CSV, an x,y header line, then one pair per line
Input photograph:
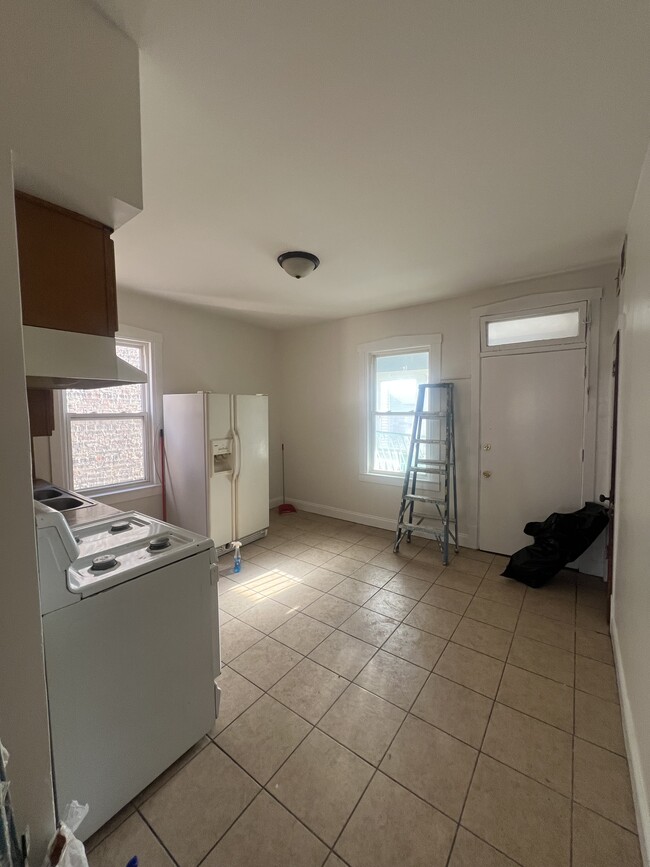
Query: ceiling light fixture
x,y
298,264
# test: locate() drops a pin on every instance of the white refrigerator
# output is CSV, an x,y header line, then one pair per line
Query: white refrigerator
x,y
217,465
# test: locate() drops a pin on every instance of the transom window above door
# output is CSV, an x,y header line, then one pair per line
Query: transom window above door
x,y
536,328
392,370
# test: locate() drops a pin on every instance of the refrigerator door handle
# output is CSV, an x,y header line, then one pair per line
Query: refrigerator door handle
x,y
237,443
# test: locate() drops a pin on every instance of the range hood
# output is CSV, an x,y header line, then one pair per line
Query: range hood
x,y
68,359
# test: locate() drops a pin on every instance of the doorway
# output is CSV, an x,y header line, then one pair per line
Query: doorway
x,y
534,397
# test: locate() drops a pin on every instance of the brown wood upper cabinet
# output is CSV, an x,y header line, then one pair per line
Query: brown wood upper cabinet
x,y
67,269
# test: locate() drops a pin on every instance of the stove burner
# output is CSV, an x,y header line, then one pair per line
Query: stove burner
x,y
159,544
103,562
120,526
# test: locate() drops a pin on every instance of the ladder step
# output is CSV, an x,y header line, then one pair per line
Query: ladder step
x,y
430,532
435,463
420,528
437,442
418,468
437,518
421,498
424,414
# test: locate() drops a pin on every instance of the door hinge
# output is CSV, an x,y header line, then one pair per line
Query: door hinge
x,y
583,456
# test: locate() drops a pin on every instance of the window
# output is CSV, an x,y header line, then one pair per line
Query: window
x,y
396,378
108,432
554,326
393,370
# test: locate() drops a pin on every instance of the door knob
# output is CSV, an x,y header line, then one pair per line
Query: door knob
x,y
487,447
486,474
604,499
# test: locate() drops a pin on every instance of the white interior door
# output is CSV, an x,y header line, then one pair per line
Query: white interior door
x,y
251,464
532,439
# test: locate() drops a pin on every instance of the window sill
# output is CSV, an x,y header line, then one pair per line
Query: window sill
x,y
397,481
379,479
125,495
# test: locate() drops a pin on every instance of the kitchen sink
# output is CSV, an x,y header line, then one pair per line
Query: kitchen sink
x,y
62,504
47,494
59,499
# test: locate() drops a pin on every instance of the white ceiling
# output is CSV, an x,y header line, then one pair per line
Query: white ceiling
x,y
421,148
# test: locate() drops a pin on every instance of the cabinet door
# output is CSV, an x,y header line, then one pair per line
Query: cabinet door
x,y
67,269
41,412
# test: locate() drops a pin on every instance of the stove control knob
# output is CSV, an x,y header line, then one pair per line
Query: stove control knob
x,y
159,544
120,526
104,561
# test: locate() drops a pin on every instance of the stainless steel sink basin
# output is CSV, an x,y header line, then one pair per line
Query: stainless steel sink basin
x,y
62,504
47,494
59,499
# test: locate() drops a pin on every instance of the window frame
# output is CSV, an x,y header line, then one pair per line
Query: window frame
x,y
152,416
579,339
368,352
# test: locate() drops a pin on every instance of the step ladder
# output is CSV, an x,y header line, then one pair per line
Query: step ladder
x,y
430,479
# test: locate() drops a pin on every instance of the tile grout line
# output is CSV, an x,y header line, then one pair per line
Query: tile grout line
x,y
479,752
376,768
153,831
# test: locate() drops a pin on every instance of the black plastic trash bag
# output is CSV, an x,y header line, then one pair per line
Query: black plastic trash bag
x,y
559,540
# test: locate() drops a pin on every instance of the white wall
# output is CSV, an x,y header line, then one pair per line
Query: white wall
x,y
321,407
70,107
69,103
23,708
631,608
205,351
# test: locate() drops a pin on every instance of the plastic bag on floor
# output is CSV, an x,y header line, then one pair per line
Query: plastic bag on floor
x,y
559,540
64,849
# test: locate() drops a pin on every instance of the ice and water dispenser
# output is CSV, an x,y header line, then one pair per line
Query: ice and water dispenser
x,y
221,455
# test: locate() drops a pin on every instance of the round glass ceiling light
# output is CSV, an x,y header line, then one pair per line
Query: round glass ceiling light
x,y
298,264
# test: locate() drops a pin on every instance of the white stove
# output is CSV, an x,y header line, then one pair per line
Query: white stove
x,y
131,636
104,553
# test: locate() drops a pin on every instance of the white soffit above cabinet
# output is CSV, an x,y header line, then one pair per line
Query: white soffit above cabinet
x,y
422,149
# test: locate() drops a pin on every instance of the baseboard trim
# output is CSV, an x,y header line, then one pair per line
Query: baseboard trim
x,y
274,502
357,517
639,793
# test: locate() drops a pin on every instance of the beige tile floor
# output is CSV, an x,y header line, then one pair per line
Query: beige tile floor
x,y
381,710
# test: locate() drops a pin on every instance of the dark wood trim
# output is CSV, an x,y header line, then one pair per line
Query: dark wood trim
x,y
40,402
111,284
27,197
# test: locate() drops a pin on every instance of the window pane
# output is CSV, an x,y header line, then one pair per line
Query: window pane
x,y
555,326
392,438
118,398
107,452
397,378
